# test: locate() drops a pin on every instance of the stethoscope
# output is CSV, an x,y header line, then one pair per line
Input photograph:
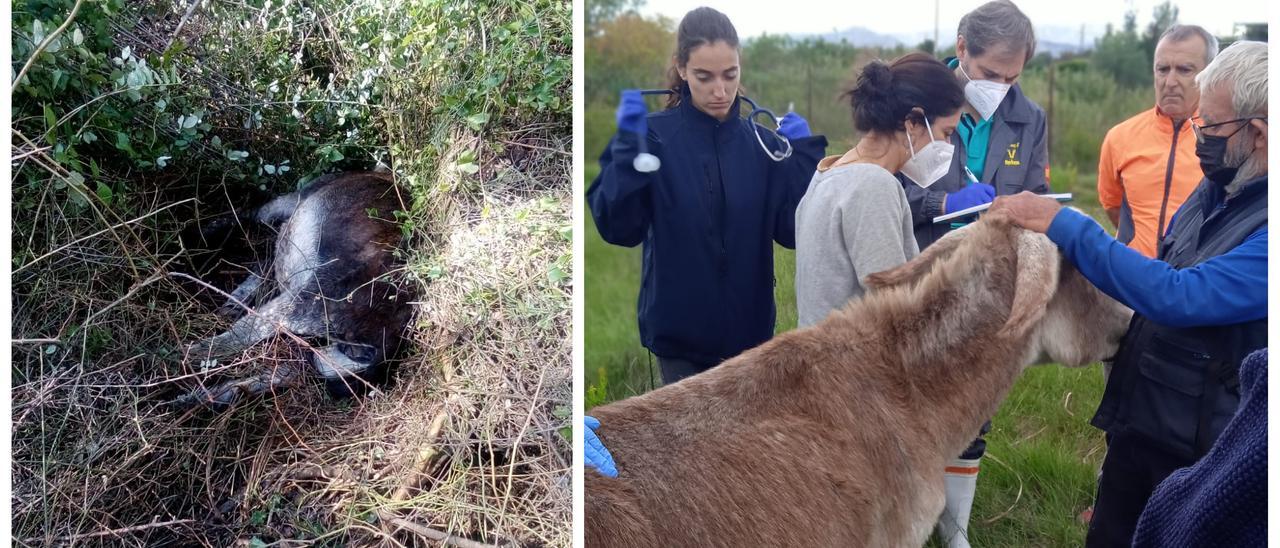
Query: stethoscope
x,y
646,163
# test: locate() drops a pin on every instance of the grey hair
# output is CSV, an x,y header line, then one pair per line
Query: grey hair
x,y
998,22
1244,64
1178,33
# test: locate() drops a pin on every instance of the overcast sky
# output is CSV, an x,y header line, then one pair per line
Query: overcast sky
x,y
916,17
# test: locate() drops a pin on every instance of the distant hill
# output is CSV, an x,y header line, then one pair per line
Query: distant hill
x,y
860,36
1054,39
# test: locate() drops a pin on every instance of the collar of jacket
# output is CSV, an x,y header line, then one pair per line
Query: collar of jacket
x,y
702,119
1165,123
1015,108
1216,193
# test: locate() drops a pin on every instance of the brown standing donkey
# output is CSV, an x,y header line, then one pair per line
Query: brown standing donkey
x,y
837,434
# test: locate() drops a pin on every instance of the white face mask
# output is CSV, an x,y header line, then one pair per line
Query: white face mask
x,y
931,163
984,95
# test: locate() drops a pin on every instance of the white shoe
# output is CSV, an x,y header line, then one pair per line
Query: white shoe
x,y
961,482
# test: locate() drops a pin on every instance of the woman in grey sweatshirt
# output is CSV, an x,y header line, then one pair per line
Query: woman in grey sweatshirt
x,y
854,220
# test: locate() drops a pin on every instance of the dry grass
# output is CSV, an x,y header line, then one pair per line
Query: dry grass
x,y
464,446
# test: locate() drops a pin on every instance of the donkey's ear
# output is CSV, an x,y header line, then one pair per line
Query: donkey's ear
x,y
1035,283
918,267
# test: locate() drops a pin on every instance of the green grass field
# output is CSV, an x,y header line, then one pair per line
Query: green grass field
x,y
1042,453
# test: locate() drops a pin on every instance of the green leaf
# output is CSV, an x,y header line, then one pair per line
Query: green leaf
x,y
469,168
79,194
259,517
50,122
478,120
557,274
104,193
122,142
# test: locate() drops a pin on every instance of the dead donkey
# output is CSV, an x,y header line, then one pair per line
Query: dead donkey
x,y
334,250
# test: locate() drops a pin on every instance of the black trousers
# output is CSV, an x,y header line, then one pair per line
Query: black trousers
x,y
979,445
674,369
1131,471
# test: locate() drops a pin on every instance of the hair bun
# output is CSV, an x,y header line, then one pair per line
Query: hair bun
x,y
874,83
872,96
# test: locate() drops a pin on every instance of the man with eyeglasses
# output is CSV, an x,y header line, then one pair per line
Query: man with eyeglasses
x,y
1199,308
1147,166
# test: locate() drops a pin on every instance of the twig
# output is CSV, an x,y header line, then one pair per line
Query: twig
x,y
182,23
1066,402
425,455
113,532
433,534
1024,439
548,149
47,40
533,408
1017,498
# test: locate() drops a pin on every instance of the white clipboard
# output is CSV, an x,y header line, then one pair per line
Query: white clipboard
x,y
1065,197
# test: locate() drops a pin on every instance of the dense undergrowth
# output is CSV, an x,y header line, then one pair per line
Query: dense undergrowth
x,y
137,122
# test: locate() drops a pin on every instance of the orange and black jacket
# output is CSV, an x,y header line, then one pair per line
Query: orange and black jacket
x,y
1147,168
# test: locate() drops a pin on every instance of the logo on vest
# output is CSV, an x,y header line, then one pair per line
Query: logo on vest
x,y
1011,155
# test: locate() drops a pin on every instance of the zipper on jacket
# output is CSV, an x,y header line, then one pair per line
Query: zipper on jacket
x,y
723,206
1168,180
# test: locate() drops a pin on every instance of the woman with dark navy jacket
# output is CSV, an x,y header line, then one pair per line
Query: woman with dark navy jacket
x,y
708,216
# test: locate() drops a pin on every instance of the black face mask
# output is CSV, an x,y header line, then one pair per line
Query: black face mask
x,y
1212,151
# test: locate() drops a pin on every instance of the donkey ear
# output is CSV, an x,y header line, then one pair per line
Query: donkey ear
x,y
917,268
1035,283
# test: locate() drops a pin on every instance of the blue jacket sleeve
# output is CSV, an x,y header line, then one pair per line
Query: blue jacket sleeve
x,y
1227,289
789,180
619,198
925,204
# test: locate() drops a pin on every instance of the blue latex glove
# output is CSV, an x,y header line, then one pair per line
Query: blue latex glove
x,y
793,126
593,452
969,196
632,113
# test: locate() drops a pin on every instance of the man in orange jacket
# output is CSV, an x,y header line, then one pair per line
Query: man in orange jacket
x,y
1148,164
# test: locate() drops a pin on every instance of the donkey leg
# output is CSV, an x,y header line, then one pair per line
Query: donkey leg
x,y
279,209
231,392
347,369
241,297
248,330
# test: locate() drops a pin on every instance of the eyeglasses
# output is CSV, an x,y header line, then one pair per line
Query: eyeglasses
x,y
1198,129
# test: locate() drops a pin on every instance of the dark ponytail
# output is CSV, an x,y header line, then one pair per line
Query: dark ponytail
x,y
699,27
886,94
